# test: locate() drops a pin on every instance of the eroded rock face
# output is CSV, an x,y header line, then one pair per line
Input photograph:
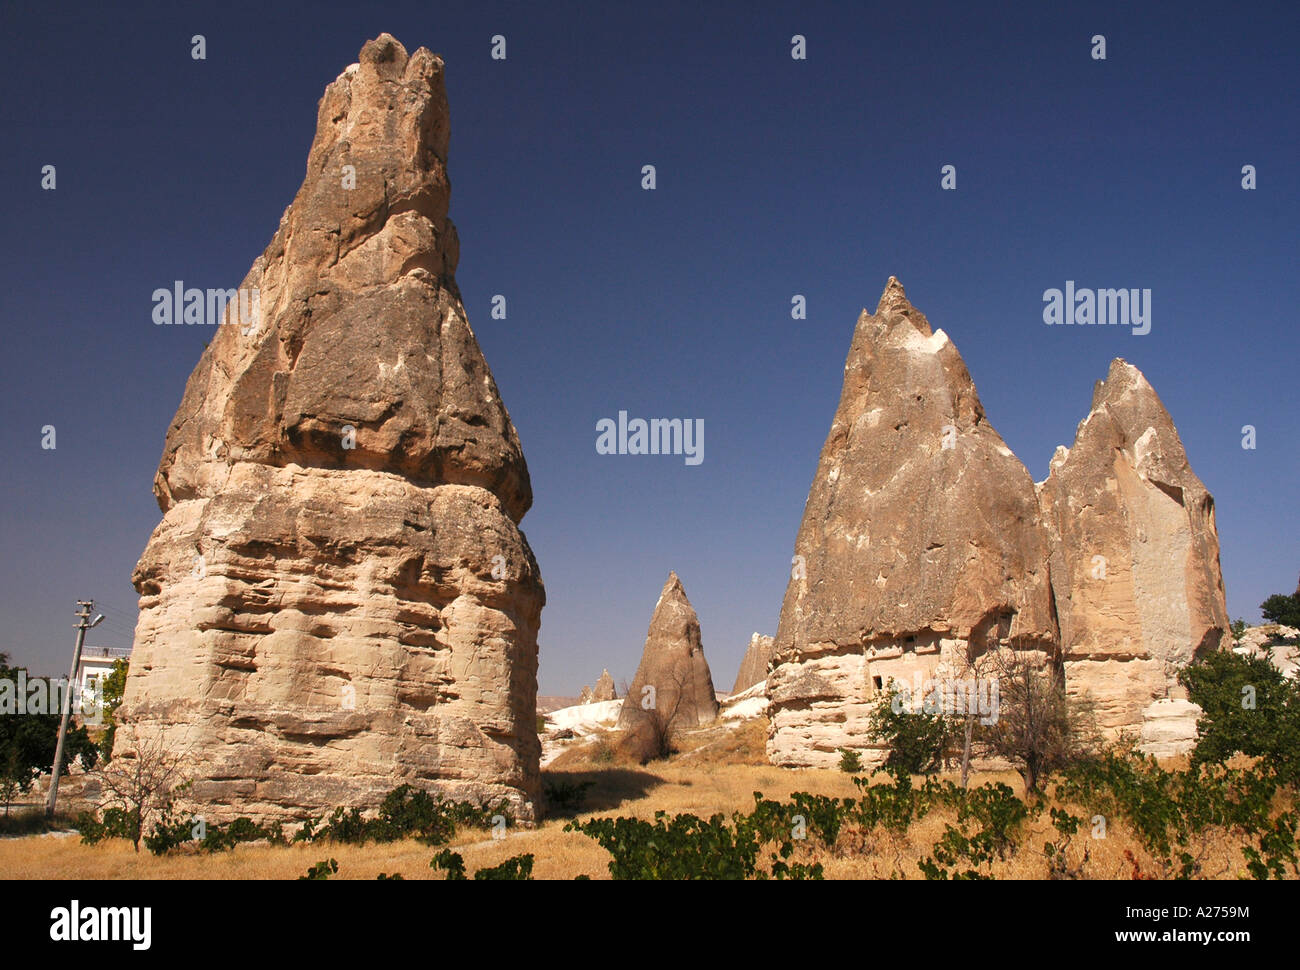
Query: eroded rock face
x,y
1134,557
338,599
920,543
673,665
753,666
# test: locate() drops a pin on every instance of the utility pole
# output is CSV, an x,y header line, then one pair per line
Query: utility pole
x,y
84,623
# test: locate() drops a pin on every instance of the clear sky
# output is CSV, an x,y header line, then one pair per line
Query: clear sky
x,y
775,177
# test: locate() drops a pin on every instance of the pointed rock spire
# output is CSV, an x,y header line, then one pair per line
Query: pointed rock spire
x,y
360,324
672,686
920,539
338,599
1134,553
753,666
604,689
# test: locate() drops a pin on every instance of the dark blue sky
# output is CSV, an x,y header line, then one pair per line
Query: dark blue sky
x,y
775,177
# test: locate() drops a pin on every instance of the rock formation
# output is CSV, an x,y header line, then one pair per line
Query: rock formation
x,y
1134,557
753,666
672,686
920,541
604,689
924,545
338,599
1276,643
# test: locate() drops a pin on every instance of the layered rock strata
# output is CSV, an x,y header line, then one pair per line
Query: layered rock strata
x,y
338,599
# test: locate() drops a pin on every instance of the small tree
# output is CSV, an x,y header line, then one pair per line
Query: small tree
x,y
1280,608
1249,707
113,685
142,781
916,738
1037,727
28,740
850,761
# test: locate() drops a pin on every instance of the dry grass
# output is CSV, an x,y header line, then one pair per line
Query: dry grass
x,y
717,770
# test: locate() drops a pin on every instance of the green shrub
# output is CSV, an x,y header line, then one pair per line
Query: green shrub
x,y
113,823
850,761
450,863
1248,707
683,847
1176,813
405,813
519,867
322,870
916,739
1281,608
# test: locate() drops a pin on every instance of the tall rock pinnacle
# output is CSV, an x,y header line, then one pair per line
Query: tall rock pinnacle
x,y
672,685
1134,554
753,665
920,540
338,599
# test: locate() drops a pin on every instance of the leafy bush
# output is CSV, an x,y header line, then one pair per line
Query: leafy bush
x,y
173,832
113,686
896,806
1175,813
1057,851
961,853
322,870
405,813
916,739
850,761
683,847
1249,708
449,862
518,867
27,741
112,823
1283,609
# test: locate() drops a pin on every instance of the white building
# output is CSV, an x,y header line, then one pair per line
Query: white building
x,y
96,663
